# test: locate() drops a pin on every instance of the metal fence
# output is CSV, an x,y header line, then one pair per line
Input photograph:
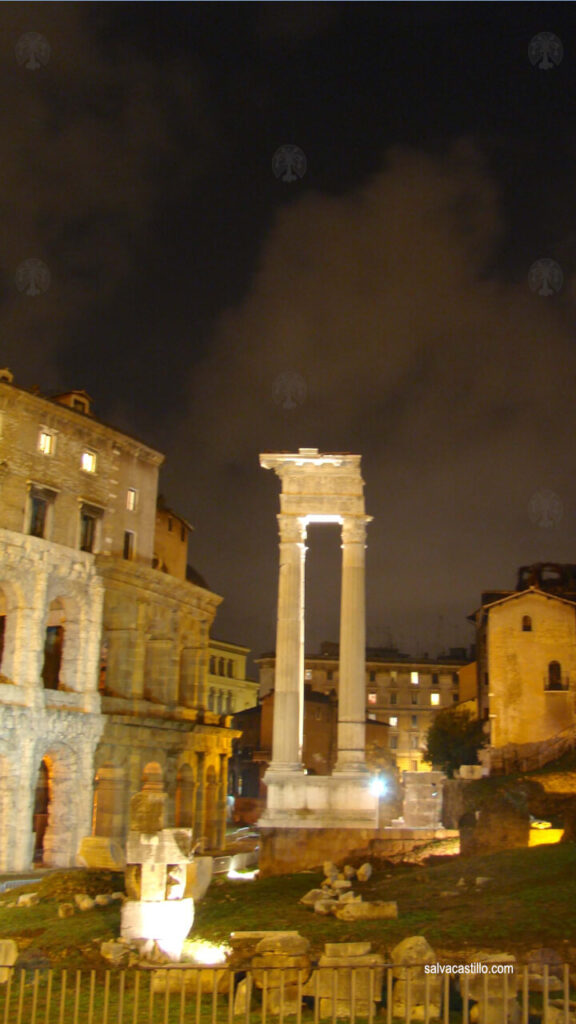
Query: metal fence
x,y
205,995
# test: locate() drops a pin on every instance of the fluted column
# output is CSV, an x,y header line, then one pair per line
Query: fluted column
x,y
352,686
289,676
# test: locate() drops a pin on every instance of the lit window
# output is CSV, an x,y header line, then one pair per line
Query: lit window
x,y
434,699
131,499
414,678
393,720
372,717
46,443
308,674
372,698
88,462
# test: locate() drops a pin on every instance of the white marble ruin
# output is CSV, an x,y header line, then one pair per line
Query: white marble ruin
x,y
319,488
157,861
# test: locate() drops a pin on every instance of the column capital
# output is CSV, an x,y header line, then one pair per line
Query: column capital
x,y
354,529
292,529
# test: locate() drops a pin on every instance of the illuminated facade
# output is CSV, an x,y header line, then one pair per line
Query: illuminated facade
x,y
103,657
526,648
401,692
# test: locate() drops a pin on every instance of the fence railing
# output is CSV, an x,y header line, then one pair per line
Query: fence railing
x,y
219,995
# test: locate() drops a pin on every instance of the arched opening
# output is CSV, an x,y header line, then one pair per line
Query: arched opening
x,y
554,676
53,645
152,776
42,797
185,794
108,809
526,624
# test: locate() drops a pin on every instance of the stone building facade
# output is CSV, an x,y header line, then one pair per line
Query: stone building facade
x,y
103,657
401,692
526,649
228,689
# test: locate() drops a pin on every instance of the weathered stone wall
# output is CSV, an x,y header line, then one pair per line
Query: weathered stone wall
x,y
522,709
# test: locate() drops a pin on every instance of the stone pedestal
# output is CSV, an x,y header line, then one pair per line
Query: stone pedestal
x,y
167,922
423,799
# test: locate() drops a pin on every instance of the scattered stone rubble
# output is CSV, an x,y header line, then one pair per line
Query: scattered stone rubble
x,y
337,898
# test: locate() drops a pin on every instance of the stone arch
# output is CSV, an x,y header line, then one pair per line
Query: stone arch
x,y
10,628
8,810
61,644
109,800
185,797
65,791
153,775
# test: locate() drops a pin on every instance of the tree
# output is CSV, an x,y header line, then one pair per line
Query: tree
x,y
454,738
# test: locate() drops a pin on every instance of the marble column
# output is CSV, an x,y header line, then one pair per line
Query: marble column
x,y
352,685
289,679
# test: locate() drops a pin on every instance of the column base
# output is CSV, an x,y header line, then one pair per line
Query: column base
x,y
350,768
285,767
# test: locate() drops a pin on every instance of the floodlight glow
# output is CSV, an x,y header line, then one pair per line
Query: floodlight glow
x,y
203,952
247,875
378,786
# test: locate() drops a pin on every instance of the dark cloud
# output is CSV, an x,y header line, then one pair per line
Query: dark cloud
x,y
454,386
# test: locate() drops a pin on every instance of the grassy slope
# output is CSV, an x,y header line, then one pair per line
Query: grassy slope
x,y
530,901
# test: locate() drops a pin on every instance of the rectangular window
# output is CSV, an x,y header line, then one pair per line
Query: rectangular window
x,y
131,499
46,443
88,462
308,674
182,533
393,742
414,743
414,721
435,699
40,500
393,698
414,678
38,514
87,531
393,720
372,697
434,679
414,698
372,677
393,676
456,697
128,549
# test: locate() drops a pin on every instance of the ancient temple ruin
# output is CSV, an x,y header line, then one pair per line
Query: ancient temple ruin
x,y
319,488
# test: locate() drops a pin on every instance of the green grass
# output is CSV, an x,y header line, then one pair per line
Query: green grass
x,y
529,902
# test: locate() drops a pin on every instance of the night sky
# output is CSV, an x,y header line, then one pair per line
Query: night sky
x,y
409,293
